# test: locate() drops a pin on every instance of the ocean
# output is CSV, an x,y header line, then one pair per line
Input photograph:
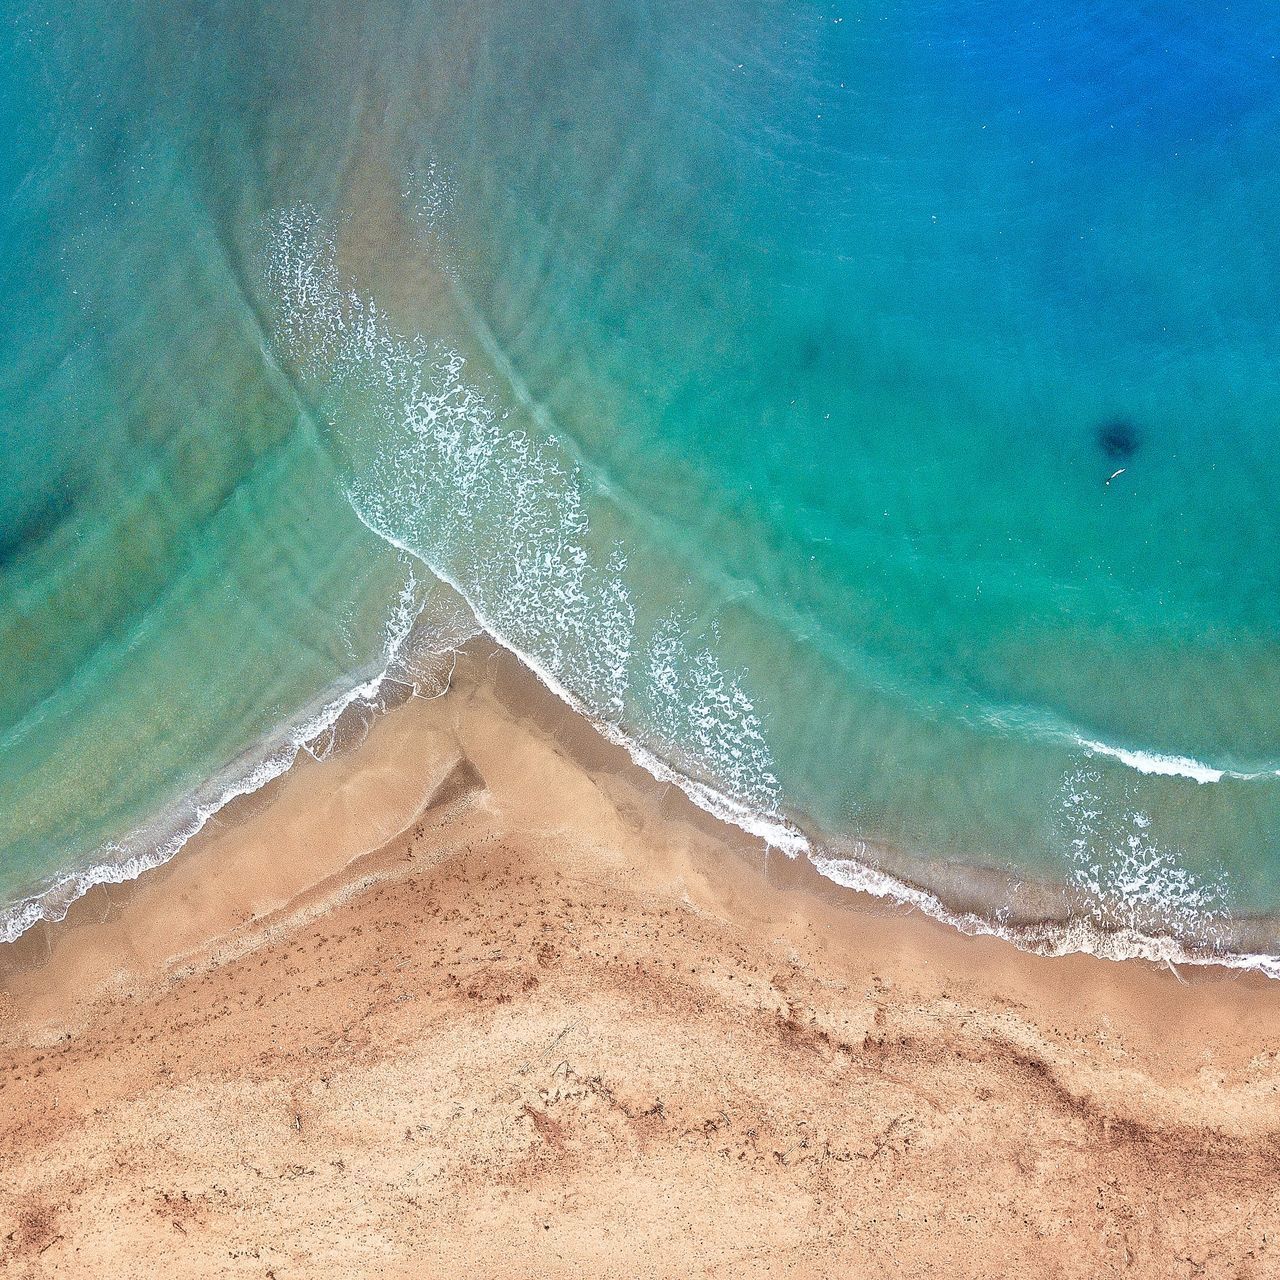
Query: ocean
x,y
866,413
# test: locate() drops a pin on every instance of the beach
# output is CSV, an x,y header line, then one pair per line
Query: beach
x,y
479,995
639,640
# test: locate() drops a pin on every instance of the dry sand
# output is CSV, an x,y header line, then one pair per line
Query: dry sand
x,y
478,997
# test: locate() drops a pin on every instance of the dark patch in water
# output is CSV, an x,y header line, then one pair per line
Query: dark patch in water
x,y
1118,439
809,351
35,526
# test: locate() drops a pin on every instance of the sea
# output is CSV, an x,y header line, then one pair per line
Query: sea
x,y
866,413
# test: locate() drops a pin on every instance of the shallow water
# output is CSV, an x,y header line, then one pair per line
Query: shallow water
x,y
869,411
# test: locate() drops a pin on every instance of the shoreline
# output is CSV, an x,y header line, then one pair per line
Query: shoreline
x,y
479,989
166,833
973,899
488,665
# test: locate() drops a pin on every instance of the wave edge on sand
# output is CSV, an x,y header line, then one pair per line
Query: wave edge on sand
x,y
851,866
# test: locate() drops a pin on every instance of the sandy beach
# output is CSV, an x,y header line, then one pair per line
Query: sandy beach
x,y
478,996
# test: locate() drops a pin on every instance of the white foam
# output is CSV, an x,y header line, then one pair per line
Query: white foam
x,y
1040,724
1169,766
1076,936
1127,878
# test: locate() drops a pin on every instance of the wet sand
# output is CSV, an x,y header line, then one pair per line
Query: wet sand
x,y
480,996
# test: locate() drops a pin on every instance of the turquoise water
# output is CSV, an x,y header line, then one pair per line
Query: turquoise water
x,y
868,411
